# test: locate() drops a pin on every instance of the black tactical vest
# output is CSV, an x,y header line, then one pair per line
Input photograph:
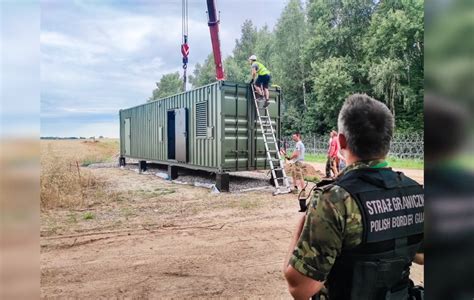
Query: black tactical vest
x,y
392,207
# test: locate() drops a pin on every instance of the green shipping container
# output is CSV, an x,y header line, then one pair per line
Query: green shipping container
x,y
213,128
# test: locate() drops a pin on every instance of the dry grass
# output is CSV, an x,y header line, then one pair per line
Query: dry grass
x,y
64,183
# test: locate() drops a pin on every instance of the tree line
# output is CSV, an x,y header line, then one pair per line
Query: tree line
x,y
322,51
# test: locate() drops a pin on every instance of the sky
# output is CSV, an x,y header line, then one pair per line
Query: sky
x,y
101,56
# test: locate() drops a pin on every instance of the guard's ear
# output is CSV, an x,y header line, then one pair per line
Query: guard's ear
x,y
342,141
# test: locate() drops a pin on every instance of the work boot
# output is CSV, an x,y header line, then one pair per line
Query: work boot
x,y
267,102
303,206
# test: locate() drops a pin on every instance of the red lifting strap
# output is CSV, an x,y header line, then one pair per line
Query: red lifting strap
x,y
185,50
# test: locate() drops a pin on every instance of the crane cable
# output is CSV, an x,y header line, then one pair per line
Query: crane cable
x,y
184,45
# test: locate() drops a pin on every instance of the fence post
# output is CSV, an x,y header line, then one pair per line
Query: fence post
x,y
314,144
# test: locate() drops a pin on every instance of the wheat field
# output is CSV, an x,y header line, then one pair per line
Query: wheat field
x,y
64,181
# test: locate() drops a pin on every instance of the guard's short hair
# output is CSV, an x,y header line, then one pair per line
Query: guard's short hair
x,y
367,125
297,133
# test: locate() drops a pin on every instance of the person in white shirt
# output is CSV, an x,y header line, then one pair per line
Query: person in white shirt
x,y
297,168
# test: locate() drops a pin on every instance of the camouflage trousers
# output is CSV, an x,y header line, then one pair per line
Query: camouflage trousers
x,y
297,170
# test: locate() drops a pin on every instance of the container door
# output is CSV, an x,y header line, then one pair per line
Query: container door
x,y
181,133
127,136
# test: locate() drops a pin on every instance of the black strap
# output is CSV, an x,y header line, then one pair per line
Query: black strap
x,y
400,245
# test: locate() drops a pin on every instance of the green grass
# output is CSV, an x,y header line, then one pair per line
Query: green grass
x,y
91,160
88,216
392,161
319,158
406,163
314,179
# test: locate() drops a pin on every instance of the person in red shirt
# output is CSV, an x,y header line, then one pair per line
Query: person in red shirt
x,y
333,150
328,160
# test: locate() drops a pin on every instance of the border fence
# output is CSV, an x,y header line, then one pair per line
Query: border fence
x,y
404,145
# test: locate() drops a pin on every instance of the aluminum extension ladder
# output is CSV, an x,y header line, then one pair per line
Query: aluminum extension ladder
x,y
280,179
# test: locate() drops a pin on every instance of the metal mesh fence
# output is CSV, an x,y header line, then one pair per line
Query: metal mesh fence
x,y
406,146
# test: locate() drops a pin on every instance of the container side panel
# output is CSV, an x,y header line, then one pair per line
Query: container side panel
x,y
230,121
235,127
241,146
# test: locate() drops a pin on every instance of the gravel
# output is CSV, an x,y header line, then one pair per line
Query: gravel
x,y
103,165
239,181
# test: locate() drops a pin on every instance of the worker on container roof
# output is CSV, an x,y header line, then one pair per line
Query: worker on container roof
x,y
261,78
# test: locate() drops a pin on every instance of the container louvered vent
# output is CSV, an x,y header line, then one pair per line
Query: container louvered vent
x,y
201,119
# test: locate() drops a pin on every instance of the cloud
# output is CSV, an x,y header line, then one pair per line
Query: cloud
x,y
99,57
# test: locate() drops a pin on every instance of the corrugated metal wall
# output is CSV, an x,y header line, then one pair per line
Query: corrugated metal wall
x,y
233,140
243,142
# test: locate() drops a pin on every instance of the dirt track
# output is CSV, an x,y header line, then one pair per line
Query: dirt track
x,y
163,240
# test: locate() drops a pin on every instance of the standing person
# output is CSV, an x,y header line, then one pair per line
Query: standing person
x,y
261,77
333,150
328,160
296,160
352,240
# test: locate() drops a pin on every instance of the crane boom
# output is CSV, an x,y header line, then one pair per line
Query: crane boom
x,y
213,23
